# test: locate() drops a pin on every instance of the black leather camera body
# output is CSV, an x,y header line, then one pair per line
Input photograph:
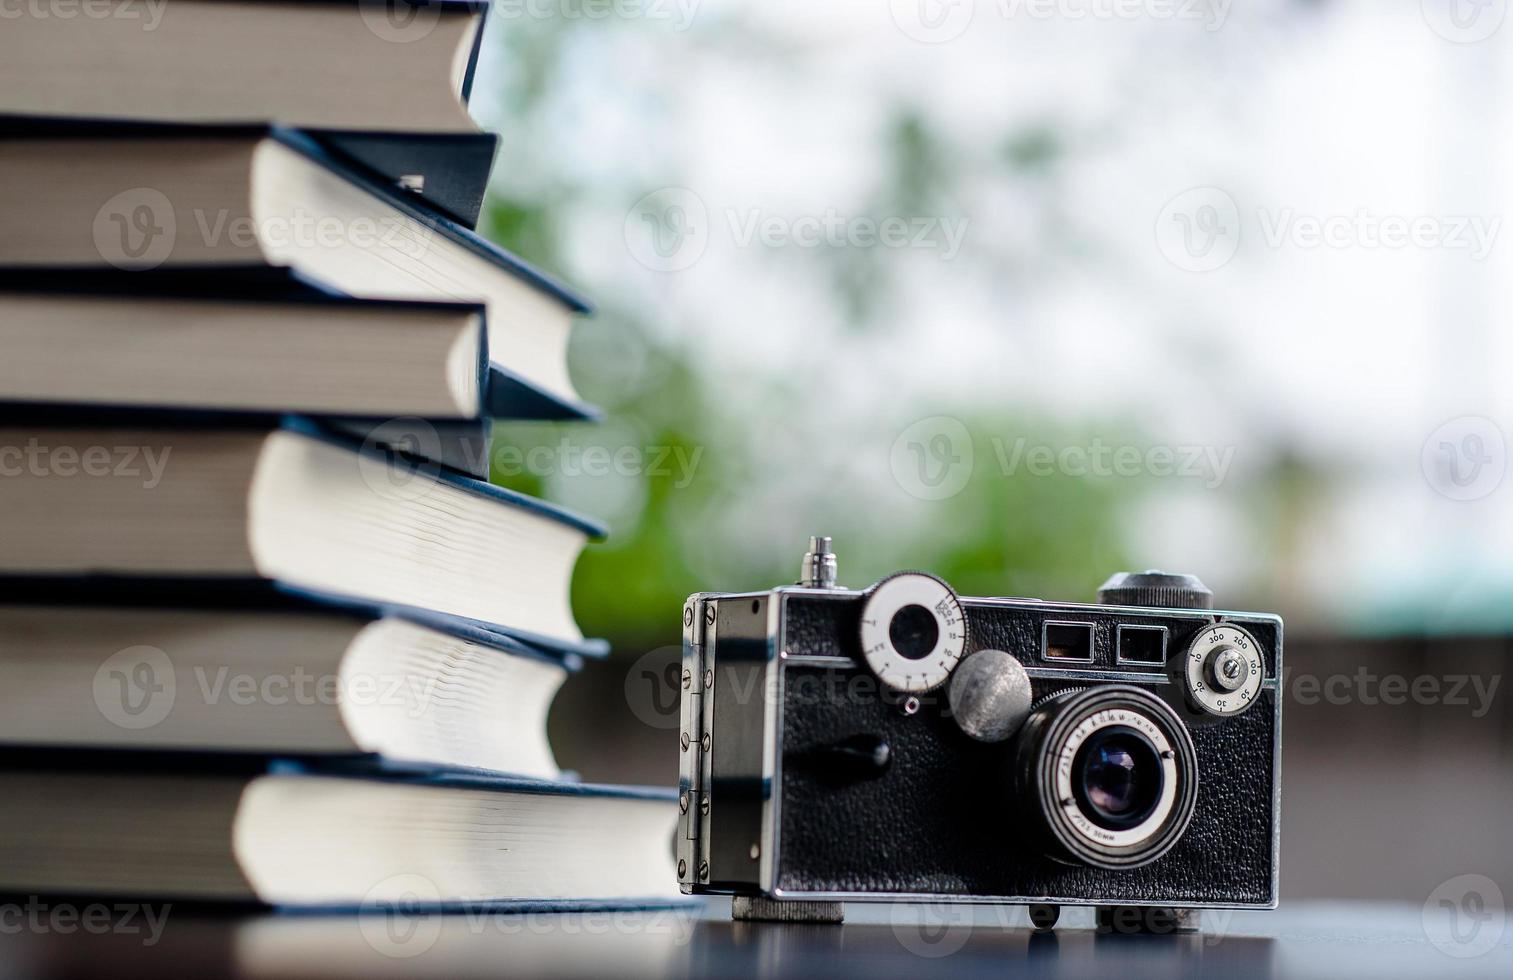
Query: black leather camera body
x,y
902,743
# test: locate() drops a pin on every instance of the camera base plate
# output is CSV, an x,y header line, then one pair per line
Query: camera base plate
x,y
759,908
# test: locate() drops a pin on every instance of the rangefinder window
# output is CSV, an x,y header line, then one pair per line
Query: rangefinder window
x,y
1068,642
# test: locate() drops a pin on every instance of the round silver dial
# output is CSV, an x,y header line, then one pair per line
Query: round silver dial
x,y
1223,670
913,631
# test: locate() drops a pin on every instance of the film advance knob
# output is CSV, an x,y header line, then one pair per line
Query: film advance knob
x,y
990,695
1164,590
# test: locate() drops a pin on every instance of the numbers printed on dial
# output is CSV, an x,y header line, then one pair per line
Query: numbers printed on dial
x,y
1203,657
913,632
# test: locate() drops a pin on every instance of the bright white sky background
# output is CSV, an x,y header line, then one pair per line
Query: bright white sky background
x,y
1073,293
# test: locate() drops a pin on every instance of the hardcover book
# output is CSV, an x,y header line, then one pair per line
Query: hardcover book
x,y
200,207
296,505
264,638
131,665
384,84
296,837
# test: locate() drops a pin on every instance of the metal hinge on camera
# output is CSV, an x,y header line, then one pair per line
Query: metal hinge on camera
x,y
693,744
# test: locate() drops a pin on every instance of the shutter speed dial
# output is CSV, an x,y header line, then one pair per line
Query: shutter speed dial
x,y
913,632
1223,670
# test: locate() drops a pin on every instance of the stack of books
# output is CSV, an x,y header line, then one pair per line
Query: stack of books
x,y
266,631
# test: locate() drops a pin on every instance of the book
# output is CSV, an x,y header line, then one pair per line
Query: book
x,y
264,638
384,83
465,446
200,207
296,505
408,375
316,355
136,668
448,171
293,837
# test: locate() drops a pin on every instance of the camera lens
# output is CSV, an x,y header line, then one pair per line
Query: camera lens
x,y
1108,774
913,632
1118,777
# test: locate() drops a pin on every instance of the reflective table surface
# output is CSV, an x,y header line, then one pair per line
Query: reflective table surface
x,y
44,938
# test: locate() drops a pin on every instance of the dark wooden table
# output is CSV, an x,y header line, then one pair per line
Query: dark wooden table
x,y
876,942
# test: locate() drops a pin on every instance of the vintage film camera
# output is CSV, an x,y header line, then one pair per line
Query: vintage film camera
x,y
904,743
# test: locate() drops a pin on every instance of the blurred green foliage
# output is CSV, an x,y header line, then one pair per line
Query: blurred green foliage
x,y
1051,536
1026,535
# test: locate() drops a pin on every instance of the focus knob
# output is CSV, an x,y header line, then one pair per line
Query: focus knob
x,y
990,695
1157,589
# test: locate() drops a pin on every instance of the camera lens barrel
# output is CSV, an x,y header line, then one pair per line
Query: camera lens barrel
x,y
1109,775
